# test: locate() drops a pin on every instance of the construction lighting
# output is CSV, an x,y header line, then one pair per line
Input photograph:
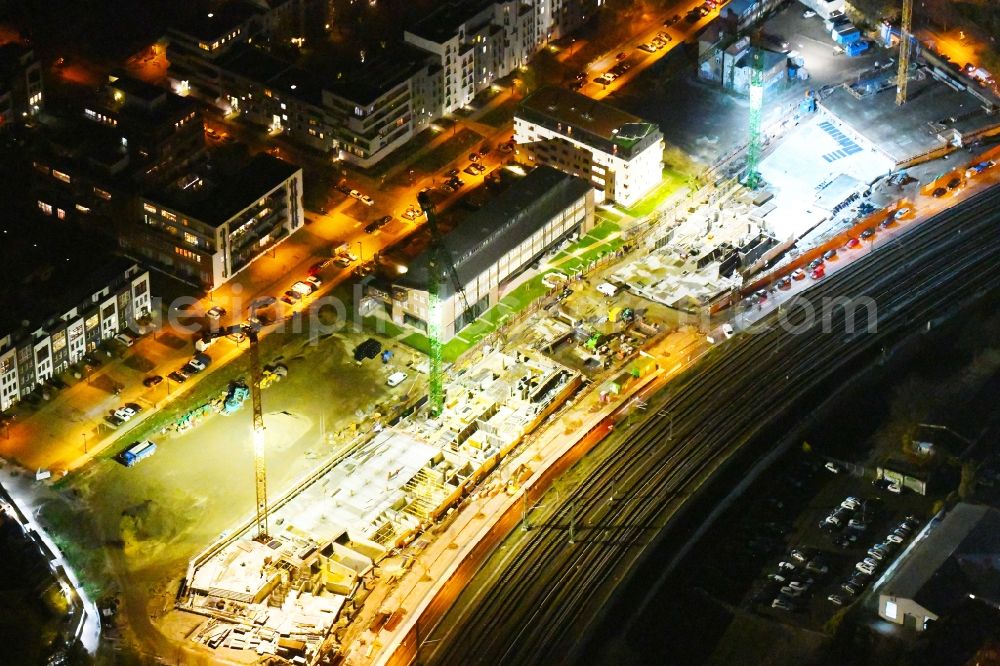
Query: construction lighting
x,y
401,269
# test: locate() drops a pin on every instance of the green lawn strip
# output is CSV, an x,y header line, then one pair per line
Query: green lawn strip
x,y
672,181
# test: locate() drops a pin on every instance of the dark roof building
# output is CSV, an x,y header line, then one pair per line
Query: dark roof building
x,y
491,232
953,558
489,248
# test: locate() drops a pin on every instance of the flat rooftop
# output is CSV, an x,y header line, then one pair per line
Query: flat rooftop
x,y
947,564
589,121
218,23
48,269
442,24
925,123
478,241
224,195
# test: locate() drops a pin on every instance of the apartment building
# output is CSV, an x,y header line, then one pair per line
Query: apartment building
x,y
490,248
620,154
21,90
212,224
65,311
128,138
474,42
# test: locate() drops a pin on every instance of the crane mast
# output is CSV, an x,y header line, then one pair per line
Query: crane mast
x,y
257,434
756,108
440,268
903,75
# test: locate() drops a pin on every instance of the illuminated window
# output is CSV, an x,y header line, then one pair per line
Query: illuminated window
x,y
149,208
59,175
190,238
45,208
890,610
167,215
103,194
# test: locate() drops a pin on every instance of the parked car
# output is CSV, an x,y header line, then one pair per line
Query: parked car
x,y
867,233
817,567
125,339
852,243
152,380
939,192
833,467
799,555
177,376
125,413
216,312
791,592
781,604
894,488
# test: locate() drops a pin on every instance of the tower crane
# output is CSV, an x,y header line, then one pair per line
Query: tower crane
x,y
903,75
257,435
257,428
756,108
440,270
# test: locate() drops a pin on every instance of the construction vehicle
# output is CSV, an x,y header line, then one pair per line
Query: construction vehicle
x,y
133,454
237,394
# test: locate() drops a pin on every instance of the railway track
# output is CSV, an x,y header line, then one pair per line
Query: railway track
x,y
536,605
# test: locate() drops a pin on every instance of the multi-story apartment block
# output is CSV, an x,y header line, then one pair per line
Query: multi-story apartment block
x,y
620,154
129,138
558,18
21,93
491,248
68,311
475,42
205,229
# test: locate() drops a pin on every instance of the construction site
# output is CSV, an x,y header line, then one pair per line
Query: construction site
x,y
283,591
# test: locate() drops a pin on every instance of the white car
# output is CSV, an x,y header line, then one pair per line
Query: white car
x,y
216,312
851,503
197,365
791,591
607,289
125,339
354,194
894,488
808,13
125,413
314,281
894,538
833,467
396,378
367,200
864,568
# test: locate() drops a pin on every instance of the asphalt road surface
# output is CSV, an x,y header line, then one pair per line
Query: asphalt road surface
x,y
536,600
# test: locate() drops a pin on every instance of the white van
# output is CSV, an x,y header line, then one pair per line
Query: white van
x,y
607,289
396,378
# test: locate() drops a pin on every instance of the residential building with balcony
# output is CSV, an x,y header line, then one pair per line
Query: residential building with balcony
x,y
490,248
21,88
620,154
210,225
63,294
475,42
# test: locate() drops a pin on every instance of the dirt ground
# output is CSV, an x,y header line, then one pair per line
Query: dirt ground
x,y
131,531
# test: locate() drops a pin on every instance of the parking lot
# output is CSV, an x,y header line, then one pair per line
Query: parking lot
x,y
838,547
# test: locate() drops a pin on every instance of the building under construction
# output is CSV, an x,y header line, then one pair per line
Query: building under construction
x,y
284,594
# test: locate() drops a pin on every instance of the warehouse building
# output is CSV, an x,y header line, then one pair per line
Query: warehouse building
x,y
952,560
491,248
621,155
208,228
